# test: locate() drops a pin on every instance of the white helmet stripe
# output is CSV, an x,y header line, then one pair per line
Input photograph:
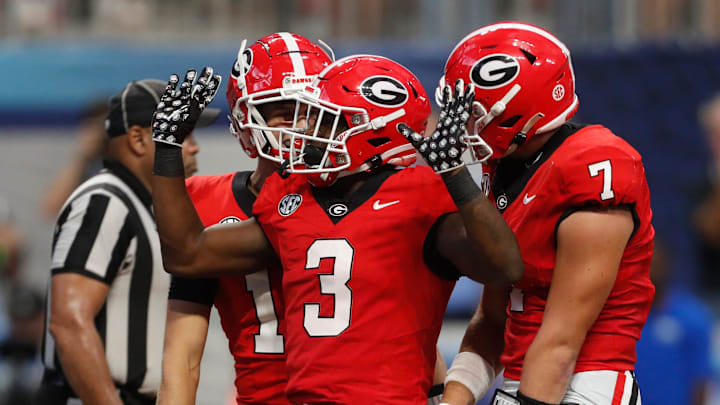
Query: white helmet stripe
x,y
292,46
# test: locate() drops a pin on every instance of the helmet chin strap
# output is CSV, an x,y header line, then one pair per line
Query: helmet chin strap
x,y
475,141
497,108
521,136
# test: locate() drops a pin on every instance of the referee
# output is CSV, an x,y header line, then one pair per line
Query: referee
x,y
107,298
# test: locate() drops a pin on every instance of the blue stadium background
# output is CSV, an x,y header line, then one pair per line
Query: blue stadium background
x,y
647,94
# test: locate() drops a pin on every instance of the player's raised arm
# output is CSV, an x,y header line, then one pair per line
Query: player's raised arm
x,y
478,241
188,249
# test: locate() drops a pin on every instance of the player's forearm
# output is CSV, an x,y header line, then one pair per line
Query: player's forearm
x,y
483,337
84,363
548,367
179,380
177,220
185,335
457,394
492,242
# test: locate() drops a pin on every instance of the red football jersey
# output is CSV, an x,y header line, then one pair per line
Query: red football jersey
x,y
250,307
363,308
579,167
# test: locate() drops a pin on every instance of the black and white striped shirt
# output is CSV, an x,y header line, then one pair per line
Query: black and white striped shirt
x,y
106,231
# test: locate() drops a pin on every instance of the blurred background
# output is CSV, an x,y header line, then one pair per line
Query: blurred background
x,y
647,69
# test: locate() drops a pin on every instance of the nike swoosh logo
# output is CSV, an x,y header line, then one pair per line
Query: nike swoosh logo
x,y
527,198
378,206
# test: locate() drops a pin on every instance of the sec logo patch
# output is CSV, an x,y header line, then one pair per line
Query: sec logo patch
x,y
289,204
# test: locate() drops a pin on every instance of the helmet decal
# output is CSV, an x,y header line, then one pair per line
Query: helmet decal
x,y
247,57
384,91
494,71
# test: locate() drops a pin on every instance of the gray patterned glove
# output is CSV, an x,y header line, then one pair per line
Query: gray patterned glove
x,y
179,108
444,148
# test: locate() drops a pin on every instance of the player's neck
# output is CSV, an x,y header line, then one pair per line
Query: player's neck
x,y
257,178
348,185
532,146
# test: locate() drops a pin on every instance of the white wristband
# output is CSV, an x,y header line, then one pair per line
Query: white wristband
x,y
472,371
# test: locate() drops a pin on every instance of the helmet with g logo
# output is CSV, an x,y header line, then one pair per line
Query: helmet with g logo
x,y
524,84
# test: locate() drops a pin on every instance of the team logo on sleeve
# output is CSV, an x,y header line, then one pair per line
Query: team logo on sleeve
x,y
289,204
230,220
494,71
384,91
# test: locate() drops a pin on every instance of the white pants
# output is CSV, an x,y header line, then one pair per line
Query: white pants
x,y
595,388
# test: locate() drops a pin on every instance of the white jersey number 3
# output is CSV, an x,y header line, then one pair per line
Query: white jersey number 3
x,y
335,283
606,168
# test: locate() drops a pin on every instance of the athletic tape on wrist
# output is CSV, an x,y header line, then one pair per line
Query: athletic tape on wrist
x,y
168,161
462,187
472,371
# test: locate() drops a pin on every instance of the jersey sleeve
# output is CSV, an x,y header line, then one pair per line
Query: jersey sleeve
x,y
263,208
194,186
199,291
92,237
601,176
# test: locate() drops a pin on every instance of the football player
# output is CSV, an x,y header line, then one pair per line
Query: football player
x,y
262,81
369,253
578,201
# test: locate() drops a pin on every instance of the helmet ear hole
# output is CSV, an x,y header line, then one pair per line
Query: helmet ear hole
x,y
510,122
530,57
378,141
415,93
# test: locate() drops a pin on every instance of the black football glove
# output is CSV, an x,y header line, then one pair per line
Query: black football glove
x,y
179,108
444,148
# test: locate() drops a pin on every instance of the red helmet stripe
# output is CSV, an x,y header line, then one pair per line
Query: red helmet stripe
x,y
294,52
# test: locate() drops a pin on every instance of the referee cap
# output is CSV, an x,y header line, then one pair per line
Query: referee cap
x,y
135,105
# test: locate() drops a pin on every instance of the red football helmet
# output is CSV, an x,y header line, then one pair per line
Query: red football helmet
x,y
351,110
524,84
272,69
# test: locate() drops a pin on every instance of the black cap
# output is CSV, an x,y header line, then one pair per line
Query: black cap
x,y
135,105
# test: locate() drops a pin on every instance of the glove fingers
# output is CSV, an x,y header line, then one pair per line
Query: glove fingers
x,y
459,94
190,76
446,95
212,88
199,88
469,96
171,86
413,137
